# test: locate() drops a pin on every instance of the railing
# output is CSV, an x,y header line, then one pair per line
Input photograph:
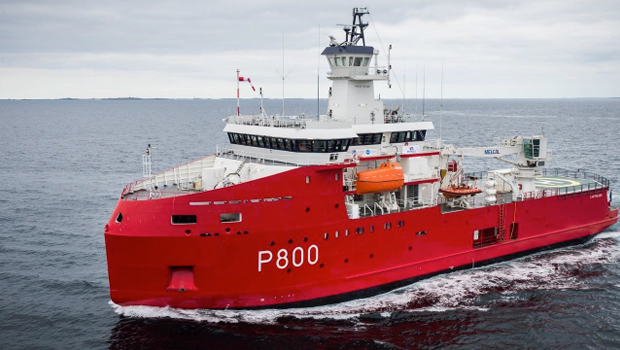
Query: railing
x,y
271,121
572,191
403,118
347,71
277,159
181,176
578,174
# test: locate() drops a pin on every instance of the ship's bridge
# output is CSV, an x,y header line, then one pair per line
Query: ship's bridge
x,y
353,62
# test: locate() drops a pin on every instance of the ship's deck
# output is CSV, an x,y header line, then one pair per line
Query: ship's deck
x,y
570,183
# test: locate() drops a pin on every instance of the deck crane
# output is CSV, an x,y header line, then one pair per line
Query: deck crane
x,y
526,154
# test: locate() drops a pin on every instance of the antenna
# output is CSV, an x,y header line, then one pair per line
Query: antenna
x,y
318,79
416,87
423,87
441,105
404,85
282,75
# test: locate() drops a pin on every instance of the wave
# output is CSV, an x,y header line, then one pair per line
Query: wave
x,y
568,268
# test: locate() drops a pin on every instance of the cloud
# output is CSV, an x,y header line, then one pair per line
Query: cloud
x,y
192,48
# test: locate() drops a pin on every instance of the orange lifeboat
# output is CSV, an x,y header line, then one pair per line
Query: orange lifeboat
x,y
387,177
459,191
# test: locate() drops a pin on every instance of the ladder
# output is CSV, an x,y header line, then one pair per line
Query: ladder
x,y
244,160
502,229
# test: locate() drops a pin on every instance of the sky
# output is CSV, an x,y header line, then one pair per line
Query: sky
x,y
192,49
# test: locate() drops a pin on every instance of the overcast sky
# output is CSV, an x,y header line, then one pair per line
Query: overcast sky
x,y
186,49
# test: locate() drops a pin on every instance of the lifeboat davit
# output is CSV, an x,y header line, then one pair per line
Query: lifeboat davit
x,y
459,191
387,177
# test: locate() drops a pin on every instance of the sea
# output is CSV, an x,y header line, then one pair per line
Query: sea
x,y
65,162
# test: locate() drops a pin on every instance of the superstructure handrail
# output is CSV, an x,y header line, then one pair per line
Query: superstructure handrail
x,y
298,159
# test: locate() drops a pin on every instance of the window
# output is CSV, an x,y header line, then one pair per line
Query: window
x,y
401,223
350,61
287,145
421,135
331,61
366,61
318,146
344,61
231,217
183,219
398,137
331,145
387,226
358,61
254,140
280,144
304,145
336,61
367,139
345,145
260,141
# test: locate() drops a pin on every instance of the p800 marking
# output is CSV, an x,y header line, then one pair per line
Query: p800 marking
x,y
297,257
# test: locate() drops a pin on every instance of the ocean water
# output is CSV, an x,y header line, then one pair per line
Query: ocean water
x,y
64,163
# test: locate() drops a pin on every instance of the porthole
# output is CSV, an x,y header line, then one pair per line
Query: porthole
x,y
119,218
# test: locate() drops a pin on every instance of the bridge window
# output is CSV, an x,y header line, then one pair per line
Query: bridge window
x,y
421,135
305,145
293,145
406,136
318,146
366,61
358,61
344,61
367,139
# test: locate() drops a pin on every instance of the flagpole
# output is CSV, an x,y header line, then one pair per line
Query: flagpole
x,y
237,92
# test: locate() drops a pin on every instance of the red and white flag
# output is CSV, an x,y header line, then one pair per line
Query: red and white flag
x,y
248,80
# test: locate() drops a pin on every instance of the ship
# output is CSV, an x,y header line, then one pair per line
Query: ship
x,y
300,211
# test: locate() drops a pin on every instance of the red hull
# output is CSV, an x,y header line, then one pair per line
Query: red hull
x,y
296,249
